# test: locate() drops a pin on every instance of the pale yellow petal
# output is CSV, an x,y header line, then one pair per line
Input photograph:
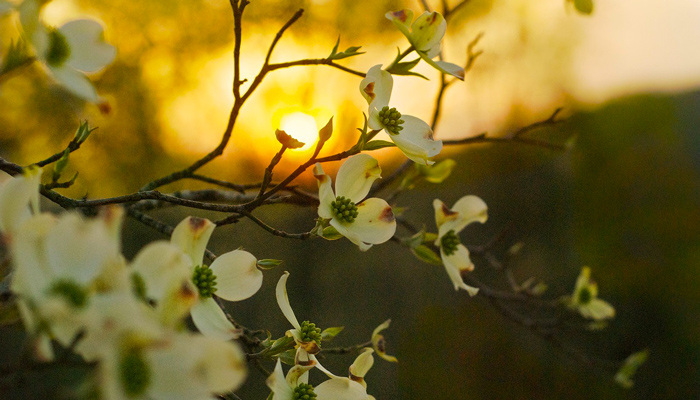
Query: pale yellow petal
x,y
427,31
355,177
237,275
211,320
283,301
192,235
466,210
340,389
325,192
416,140
455,264
375,224
88,50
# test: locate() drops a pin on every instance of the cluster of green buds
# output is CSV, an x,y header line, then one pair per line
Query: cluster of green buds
x,y
449,243
391,119
310,333
205,280
304,391
344,209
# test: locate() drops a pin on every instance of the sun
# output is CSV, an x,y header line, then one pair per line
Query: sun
x,y
301,127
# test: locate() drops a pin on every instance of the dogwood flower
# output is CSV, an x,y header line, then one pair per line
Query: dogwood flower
x,y
455,256
412,136
295,386
378,342
364,222
306,335
425,35
68,52
585,298
233,276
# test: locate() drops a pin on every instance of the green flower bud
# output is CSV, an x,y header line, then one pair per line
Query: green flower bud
x,y
449,243
205,280
310,333
134,372
344,209
73,293
59,50
391,119
304,392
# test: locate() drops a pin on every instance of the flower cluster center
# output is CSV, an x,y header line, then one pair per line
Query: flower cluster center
x,y
344,209
73,293
134,373
391,119
584,296
59,50
304,392
449,242
310,333
205,280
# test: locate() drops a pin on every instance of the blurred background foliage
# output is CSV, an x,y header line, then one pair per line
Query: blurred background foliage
x,y
624,200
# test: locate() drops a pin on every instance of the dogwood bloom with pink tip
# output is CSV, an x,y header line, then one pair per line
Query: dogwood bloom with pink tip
x,y
233,276
412,136
450,221
425,35
68,52
364,222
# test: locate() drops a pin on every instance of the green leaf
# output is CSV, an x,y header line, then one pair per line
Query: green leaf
x,y
404,68
330,333
17,55
437,172
584,6
60,165
330,233
282,344
288,357
268,263
377,144
349,52
629,368
424,253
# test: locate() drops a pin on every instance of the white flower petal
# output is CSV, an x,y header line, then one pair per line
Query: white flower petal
x,y
454,265
88,50
363,363
278,384
340,389
325,192
237,275
443,66
466,210
32,274
76,83
17,196
376,87
211,320
283,301
162,266
77,249
192,235
416,140
224,364
355,177
427,30
375,223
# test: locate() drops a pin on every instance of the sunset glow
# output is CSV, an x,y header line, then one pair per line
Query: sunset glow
x,y
301,127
